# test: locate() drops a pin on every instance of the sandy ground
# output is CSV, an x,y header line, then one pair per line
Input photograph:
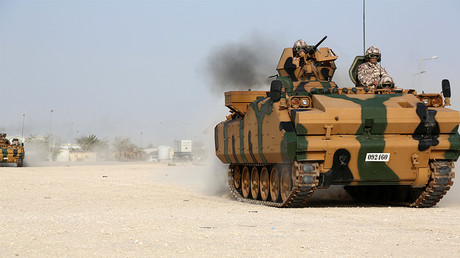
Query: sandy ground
x,y
147,209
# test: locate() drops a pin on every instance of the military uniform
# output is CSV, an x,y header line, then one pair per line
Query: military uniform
x,y
369,72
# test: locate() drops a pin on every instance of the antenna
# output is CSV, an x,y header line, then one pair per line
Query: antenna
x,y
364,27
22,131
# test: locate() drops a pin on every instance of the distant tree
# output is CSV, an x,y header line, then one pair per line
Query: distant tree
x,y
88,143
123,143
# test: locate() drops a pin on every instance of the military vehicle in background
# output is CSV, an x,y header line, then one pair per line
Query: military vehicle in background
x,y
12,152
385,145
130,153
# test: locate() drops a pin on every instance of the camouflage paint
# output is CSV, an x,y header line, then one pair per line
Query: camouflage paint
x,y
233,150
338,172
227,157
301,87
290,68
250,147
427,132
5,154
454,140
367,135
302,146
299,128
372,140
288,145
287,84
11,154
265,109
216,137
245,160
326,86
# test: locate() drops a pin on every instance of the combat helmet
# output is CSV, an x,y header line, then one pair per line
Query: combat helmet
x,y
299,46
373,51
386,82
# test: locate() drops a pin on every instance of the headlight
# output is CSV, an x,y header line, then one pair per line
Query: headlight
x,y
426,101
436,102
305,102
295,102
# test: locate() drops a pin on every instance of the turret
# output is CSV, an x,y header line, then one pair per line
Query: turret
x,y
308,66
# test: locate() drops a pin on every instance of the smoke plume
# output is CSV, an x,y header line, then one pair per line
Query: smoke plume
x,y
242,65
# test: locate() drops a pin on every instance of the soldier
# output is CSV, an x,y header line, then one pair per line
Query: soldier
x,y
3,139
386,82
300,51
15,142
299,48
370,73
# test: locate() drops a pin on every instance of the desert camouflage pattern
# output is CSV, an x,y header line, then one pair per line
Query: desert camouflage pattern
x,y
372,50
369,72
386,81
300,44
12,152
387,145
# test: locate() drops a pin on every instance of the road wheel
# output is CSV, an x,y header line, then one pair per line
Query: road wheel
x,y
255,183
245,182
274,185
285,184
264,184
237,177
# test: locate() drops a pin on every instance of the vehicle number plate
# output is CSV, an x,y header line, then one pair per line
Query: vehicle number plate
x,y
378,157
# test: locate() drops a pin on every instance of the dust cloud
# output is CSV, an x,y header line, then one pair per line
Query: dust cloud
x,y
242,65
452,197
36,153
214,173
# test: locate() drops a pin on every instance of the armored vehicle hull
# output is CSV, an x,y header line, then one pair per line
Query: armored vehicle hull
x,y
11,153
384,145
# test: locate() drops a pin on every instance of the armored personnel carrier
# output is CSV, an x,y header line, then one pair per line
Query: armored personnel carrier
x,y
12,152
385,145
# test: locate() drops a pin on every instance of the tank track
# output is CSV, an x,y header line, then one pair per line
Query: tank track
x,y
303,186
438,185
440,181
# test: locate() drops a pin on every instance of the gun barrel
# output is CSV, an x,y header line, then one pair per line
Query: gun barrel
x,y
319,43
312,49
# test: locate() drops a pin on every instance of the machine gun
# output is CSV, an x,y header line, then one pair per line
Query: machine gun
x,y
311,49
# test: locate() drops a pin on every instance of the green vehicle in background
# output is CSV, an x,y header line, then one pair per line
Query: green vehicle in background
x,y
12,152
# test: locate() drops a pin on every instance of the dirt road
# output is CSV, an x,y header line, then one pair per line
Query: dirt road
x,y
147,209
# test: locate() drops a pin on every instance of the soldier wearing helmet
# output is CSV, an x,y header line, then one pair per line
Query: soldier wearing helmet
x,y
3,140
15,142
299,48
386,83
371,73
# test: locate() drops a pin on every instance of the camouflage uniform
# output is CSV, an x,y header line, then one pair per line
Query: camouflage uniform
x,y
369,72
299,43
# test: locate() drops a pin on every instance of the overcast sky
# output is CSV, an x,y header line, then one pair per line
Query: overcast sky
x,y
122,68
